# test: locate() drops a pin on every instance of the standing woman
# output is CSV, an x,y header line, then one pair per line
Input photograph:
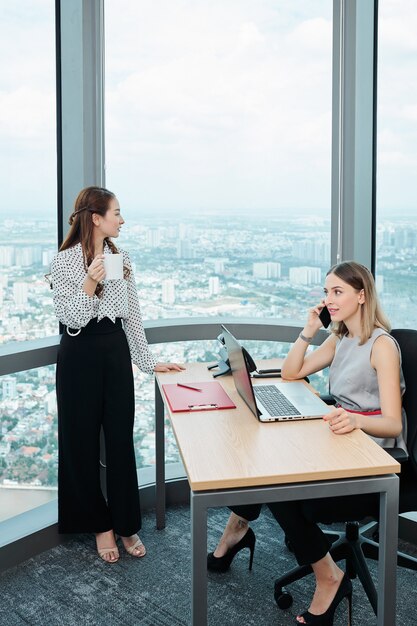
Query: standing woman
x,y
104,333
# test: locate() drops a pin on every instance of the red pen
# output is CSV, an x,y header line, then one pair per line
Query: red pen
x,y
189,387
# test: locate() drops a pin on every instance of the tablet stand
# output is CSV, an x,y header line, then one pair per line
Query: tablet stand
x,y
223,362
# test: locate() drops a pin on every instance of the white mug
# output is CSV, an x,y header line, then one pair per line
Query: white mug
x,y
113,266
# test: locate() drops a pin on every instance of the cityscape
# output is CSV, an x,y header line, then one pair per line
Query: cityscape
x,y
209,265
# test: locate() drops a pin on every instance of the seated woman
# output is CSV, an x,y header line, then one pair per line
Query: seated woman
x,y
366,380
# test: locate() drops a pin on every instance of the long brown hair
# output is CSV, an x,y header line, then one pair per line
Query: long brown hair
x,y
372,316
90,200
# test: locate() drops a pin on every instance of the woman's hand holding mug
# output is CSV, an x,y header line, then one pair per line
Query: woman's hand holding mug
x,y
96,270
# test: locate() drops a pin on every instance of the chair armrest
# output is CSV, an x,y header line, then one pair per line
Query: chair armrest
x,y
327,398
398,454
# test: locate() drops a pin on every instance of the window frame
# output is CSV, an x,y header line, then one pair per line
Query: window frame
x,y
80,49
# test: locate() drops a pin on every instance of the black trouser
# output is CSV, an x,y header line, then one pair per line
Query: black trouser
x,y
95,389
299,520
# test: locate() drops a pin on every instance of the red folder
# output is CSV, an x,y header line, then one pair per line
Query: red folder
x,y
211,397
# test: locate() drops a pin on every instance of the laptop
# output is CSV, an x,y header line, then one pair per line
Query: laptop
x,y
274,402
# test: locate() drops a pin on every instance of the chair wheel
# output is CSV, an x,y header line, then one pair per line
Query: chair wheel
x,y
283,599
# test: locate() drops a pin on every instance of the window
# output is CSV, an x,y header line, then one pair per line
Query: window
x,y
218,145
396,180
28,440
28,238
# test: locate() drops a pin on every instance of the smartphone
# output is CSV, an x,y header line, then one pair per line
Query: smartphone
x,y
325,317
258,375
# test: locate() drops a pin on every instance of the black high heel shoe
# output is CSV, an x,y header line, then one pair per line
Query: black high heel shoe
x,y
326,618
222,563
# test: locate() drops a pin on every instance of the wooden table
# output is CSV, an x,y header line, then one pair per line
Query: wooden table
x,y
231,458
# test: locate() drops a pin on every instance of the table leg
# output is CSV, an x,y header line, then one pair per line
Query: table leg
x,y
198,561
387,563
159,459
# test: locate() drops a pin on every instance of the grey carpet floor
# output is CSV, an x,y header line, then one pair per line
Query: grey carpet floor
x,y
70,586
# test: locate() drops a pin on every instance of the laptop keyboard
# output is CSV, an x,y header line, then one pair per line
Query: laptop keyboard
x,y
274,400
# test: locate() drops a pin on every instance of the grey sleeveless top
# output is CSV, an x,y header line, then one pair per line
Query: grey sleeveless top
x,y
354,385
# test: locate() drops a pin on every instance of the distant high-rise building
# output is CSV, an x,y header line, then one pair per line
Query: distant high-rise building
x,y
183,230
305,275
20,293
7,256
153,237
387,237
404,238
168,291
26,256
219,266
379,283
47,256
214,285
50,403
184,249
8,384
268,269
314,250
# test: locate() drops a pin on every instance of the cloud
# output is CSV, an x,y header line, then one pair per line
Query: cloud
x,y
27,107
410,112
26,114
311,36
227,94
250,35
207,103
397,24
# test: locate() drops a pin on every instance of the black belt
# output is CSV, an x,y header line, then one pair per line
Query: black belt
x,y
103,327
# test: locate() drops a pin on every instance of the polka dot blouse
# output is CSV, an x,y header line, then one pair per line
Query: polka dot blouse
x,y
119,298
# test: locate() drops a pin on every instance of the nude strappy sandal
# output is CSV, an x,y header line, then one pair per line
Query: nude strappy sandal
x,y
135,546
104,551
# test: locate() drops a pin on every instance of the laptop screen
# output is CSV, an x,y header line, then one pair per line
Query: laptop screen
x,y
240,372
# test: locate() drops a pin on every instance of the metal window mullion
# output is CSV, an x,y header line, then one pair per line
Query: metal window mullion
x,y
353,129
81,87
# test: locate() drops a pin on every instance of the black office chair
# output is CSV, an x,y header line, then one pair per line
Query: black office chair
x,y
357,542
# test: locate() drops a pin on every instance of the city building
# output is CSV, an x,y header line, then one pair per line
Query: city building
x,y
8,385
312,250
214,286
7,256
168,291
305,275
267,270
219,265
154,237
20,293
185,249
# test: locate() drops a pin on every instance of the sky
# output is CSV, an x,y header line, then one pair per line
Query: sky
x,y
210,106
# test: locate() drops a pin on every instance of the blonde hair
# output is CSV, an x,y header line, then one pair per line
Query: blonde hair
x,y
372,316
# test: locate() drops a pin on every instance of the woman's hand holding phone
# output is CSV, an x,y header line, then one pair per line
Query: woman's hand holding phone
x,y
318,316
